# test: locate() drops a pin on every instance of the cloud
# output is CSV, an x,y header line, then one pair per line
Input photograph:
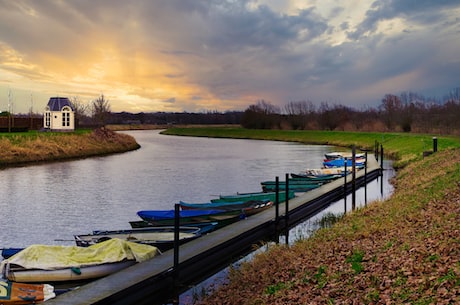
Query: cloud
x,y
176,55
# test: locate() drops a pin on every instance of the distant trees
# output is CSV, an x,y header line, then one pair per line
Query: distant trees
x,y
263,115
408,112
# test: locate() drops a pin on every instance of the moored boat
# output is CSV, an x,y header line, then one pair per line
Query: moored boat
x,y
160,237
293,181
247,207
253,196
13,293
8,252
340,155
167,217
45,263
322,172
300,188
359,163
321,178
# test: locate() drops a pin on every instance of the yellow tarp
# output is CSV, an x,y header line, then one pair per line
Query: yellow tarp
x,y
57,257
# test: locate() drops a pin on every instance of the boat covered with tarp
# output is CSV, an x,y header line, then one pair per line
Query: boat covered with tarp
x,y
54,263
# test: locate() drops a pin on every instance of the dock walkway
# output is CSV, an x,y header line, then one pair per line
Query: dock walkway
x,y
154,280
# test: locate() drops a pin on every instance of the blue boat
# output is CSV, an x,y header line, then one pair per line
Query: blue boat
x,y
359,163
8,252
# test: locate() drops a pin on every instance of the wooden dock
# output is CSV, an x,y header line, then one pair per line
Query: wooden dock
x,y
152,282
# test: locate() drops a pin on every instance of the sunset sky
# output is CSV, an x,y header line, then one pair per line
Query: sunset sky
x,y
199,55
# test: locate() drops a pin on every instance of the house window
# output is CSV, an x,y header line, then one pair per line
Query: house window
x,y
47,119
66,119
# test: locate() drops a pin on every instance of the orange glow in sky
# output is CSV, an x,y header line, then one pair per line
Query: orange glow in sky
x,y
181,55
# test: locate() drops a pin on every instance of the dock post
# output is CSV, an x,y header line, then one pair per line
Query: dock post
x,y
376,150
176,236
277,208
345,187
381,158
353,178
381,171
176,248
287,209
277,200
365,179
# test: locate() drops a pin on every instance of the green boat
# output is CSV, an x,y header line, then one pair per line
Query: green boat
x,y
300,188
295,181
254,196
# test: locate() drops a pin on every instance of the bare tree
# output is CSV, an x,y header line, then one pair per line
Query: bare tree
x,y
80,109
100,110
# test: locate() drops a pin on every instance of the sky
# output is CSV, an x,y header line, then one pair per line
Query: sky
x,y
225,55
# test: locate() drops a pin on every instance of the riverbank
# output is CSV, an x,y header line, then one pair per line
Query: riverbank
x,y
18,149
404,250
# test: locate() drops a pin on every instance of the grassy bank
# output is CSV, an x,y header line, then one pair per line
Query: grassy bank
x,y
405,250
401,147
32,147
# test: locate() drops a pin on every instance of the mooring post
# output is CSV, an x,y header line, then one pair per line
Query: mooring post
x,y
277,207
345,186
435,144
287,209
277,199
176,240
376,150
365,178
381,171
353,178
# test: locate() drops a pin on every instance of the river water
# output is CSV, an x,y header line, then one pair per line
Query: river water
x,y
49,203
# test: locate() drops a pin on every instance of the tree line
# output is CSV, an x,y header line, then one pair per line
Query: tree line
x,y
407,112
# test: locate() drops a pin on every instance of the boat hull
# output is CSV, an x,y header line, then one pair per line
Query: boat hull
x,y
253,196
160,237
188,218
19,274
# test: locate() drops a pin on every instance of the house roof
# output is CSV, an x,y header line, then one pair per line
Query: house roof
x,y
57,103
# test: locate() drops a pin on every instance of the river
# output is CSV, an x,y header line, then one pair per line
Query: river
x,y
50,203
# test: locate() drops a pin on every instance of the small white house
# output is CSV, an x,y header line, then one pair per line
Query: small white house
x,y
59,115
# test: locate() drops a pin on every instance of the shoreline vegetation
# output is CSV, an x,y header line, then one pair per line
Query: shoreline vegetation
x,y
20,149
404,250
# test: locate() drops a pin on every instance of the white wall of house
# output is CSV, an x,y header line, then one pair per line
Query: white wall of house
x,y
63,120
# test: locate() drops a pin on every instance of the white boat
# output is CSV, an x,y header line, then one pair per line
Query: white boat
x,y
160,237
321,172
45,264
342,155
